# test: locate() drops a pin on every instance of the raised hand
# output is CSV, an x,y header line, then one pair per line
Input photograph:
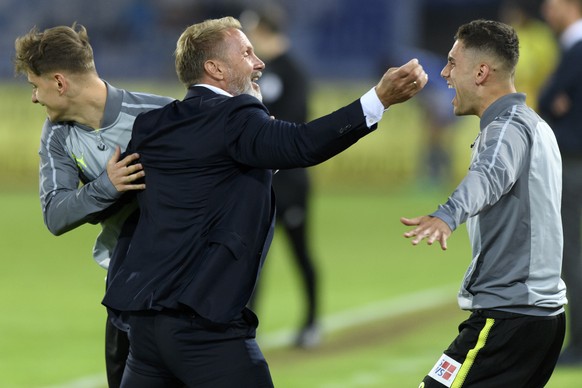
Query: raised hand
x,y
399,84
430,228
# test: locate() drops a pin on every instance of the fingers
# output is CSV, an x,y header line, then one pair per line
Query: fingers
x,y
125,174
115,157
418,235
420,81
430,228
443,242
410,221
402,83
129,159
414,73
129,179
131,173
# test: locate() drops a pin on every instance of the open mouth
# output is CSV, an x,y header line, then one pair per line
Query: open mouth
x,y
255,77
455,97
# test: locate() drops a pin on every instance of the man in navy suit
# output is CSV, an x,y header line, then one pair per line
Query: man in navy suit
x,y
560,104
207,213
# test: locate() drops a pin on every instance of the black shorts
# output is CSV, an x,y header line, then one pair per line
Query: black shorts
x,y
497,349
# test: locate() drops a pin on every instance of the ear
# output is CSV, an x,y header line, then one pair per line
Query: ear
x,y
482,73
61,82
214,69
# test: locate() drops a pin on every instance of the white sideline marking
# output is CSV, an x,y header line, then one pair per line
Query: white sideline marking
x,y
95,381
375,311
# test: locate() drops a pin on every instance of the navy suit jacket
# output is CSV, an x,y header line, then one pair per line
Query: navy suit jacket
x,y
207,213
567,79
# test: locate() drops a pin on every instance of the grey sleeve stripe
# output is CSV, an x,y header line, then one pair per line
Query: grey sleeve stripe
x,y
141,106
501,135
53,170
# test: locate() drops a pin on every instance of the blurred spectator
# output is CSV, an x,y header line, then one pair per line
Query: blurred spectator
x,y
284,87
435,102
560,105
536,41
436,168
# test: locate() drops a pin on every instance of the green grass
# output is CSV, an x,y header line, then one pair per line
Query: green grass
x,y
52,322
361,254
396,353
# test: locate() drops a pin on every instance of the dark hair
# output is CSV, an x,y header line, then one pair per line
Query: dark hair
x,y
492,37
54,49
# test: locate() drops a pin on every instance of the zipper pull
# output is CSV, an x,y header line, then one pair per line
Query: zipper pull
x,y
101,146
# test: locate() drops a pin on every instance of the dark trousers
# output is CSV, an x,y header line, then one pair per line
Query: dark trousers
x,y
172,349
572,262
116,352
498,350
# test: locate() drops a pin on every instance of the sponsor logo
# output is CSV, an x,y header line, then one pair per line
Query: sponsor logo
x,y
445,370
80,162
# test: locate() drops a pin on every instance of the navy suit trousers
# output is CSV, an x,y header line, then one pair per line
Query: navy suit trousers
x,y
176,349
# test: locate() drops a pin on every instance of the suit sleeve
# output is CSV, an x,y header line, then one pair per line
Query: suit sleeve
x,y
254,139
566,79
65,205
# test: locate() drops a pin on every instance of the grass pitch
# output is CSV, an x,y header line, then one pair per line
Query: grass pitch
x,y
52,323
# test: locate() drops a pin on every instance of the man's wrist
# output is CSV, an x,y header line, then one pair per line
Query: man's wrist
x,y
372,107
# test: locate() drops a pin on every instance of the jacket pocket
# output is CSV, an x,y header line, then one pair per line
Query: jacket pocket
x,y
232,241
224,280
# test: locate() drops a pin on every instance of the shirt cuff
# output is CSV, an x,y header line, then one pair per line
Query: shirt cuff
x,y
372,107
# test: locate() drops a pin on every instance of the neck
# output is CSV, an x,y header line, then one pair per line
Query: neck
x,y
87,99
493,94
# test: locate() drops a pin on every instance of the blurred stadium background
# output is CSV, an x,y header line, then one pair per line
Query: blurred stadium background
x,y
344,44
51,322
345,38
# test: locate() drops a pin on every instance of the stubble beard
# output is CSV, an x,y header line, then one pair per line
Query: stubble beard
x,y
242,85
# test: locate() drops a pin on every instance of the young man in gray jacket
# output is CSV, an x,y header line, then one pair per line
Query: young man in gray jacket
x,y
510,199
88,125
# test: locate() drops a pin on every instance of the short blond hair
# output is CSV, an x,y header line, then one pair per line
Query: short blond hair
x,y
199,43
60,48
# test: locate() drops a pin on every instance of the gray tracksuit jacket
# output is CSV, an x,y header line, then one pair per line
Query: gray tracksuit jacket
x,y
71,154
510,199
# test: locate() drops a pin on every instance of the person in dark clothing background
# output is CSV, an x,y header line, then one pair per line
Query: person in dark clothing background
x,y
560,104
285,90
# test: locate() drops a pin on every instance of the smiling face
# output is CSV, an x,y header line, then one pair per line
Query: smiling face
x,y
243,66
460,72
45,91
